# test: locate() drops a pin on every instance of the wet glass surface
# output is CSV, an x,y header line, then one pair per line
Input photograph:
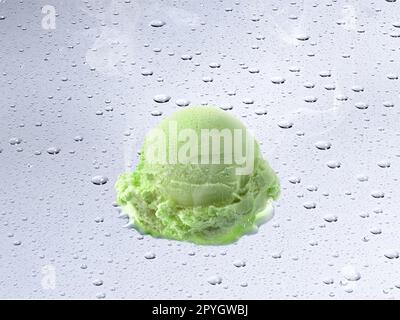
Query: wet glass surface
x,y
316,82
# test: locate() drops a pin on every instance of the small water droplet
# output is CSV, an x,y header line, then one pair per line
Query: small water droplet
x,y
15,141
239,263
214,65
361,105
310,99
323,145
214,280
156,113
384,164
161,98
333,164
325,74
186,57
392,254
303,37
261,111
294,180
207,79
97,282
376,231
150,255
99,180
285,124
330,218
310,205
53,150
182,102
278,80
388,104
377,194
350,273
157,23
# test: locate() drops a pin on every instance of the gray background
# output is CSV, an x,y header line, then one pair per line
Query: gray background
x,y
80,88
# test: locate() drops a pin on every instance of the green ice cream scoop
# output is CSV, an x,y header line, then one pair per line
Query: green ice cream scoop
x,y
201,178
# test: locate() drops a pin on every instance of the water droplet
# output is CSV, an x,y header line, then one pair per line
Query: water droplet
x,y
357,88
362,178
99,180
157,23
284,124
376,231
214,65
15,141
388,104
182,102
97,282
186,57
310,99
226,106
330,218
294,69
248,101
312,188
278,80
99,219
392,254
276,255
350,273
261,111
254,70
323,145
150,255
239,263
214,280
303,37
294,180
161,98
341,97
309,85
378,194
333,164
384,164
361,105
328,281
330,87
146,72
310,205
364,215
156,113
325,74
53,150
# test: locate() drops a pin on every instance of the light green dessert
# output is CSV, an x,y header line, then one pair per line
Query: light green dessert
x,y
201,178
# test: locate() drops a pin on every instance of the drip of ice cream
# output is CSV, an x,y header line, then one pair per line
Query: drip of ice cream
x,y
201,178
